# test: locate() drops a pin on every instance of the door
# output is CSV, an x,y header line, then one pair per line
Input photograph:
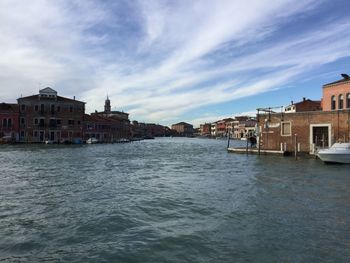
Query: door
x,y
320,136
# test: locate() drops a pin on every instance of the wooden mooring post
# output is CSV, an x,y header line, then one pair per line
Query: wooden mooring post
x,y
295,146
228,140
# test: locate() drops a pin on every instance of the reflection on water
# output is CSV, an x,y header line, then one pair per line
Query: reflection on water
x,y
169,200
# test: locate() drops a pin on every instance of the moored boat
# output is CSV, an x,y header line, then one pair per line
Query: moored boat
x,y
92,141
338,153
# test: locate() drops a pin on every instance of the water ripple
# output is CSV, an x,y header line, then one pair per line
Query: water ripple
x,y
169,200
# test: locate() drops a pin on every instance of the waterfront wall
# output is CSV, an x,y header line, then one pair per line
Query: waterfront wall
x,y
305,130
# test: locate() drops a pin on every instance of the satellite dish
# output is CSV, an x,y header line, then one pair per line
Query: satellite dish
x,y
345,76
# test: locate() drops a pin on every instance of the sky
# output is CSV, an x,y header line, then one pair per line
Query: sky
x,y
170,61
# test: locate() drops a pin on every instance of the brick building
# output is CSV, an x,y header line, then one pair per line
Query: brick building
x,y
183,128
9,122
336,95
107,125
205,129
311,130
143,130
304,105
47,116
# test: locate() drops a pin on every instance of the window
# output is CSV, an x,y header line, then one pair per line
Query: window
x,y
36,107
22,134
22,121
78,122
42,122
333,102
340,102
4,123
286,129
35,134
58,108
42,108
348,100
52,109
58,122
23,107
52,123
70,108
36,121
70,122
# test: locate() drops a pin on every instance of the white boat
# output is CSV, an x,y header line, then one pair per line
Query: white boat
x,y
338,153
92,141
48,142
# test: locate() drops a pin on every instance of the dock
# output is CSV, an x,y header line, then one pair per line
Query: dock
x,y
246,150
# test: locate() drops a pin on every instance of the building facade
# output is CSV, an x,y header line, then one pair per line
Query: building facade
x,y
9,122
183,129
306,131
108,125
336,95
205,129
304,105
49,117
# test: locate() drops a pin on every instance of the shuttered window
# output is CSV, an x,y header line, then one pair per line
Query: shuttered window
x,y
286,129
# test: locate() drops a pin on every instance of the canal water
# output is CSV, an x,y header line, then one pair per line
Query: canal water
x,y
169,200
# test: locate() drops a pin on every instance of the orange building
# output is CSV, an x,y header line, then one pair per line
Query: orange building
x,y
336,95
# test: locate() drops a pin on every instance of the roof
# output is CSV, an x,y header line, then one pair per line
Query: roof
x,y
183,123
345,79
9,107
307,100
48,90
58,98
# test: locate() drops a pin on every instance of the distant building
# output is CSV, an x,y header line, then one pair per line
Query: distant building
x,y
107,125
336,95
205,129
47,116
9,122
243,127
183,128
213,129
304,105
149,130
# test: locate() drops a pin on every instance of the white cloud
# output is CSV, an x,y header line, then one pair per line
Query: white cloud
x,y
159,60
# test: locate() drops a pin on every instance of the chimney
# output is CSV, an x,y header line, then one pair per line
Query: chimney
x,y
73,97
345,76
304,99
292,102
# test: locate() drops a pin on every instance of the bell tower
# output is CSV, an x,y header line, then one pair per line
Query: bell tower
x,y
107,105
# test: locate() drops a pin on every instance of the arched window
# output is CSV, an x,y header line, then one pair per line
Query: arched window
x,y
4,123
348,100
9,123
333,102
341,102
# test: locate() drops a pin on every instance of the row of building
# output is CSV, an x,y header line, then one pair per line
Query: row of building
x,y
49,117
307,125
237,128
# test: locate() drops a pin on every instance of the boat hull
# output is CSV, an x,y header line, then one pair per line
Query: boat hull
x,y
334,157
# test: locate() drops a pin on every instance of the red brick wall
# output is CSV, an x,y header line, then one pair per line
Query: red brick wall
x,y
336,90
271,137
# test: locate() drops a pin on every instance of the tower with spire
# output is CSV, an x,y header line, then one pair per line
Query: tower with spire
x,y
107,105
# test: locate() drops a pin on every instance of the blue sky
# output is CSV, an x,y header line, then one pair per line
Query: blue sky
x,y
170,61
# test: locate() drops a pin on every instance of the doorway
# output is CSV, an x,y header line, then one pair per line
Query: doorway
x,y
320,136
